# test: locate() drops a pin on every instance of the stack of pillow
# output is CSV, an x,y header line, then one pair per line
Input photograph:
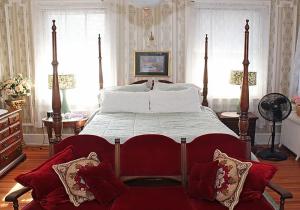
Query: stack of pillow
x,y
229,180
164,98
63,179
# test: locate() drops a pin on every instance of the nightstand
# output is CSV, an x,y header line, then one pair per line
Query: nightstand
x,y
231,120
77,123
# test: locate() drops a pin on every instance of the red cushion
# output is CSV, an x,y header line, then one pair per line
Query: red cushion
x,y
261,204
33,205
102,182
152,198
43,179
202,180
58,200
90,205
146,155
258,177
85,144
53,199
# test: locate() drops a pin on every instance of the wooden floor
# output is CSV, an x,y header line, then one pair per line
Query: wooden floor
x,y
288,176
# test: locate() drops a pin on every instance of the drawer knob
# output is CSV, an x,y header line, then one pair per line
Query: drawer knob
x,y
5,157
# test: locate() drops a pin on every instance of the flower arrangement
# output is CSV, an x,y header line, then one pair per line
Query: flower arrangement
x,y
296,100
16,87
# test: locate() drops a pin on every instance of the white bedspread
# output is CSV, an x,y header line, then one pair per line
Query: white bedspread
x,y
174,125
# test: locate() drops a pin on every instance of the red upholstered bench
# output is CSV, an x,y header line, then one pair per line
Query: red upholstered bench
x,y
156,170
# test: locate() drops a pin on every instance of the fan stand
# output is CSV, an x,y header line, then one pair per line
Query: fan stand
x,y
271,153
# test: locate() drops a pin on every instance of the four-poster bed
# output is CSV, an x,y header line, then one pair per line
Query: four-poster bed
x,y
200,147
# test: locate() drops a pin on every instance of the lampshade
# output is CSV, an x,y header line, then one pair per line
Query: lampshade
x,y
236,77
145,3
65,81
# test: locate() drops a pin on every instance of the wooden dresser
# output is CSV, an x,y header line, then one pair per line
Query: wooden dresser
x,y
11,137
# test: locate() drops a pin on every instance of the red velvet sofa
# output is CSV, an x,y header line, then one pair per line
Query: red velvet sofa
x,y
156,170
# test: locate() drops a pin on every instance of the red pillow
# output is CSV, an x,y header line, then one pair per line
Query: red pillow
x,y
102,182
258,177
202,180
43,179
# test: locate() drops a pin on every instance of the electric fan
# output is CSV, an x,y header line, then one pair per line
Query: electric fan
x,y
274,107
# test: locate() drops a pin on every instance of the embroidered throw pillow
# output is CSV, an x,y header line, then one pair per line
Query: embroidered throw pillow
x,y
74,185
202,180
230,179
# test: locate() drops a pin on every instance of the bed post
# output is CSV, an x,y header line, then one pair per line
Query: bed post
x,y
244,101
56,104
205,75
100,63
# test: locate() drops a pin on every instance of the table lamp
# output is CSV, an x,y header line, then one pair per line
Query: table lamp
x,y
236,78
65,81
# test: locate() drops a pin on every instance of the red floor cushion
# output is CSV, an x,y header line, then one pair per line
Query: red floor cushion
x,y
152,198
261,204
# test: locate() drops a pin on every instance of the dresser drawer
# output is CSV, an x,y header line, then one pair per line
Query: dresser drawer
x,y
4,133
10,140
10,154
15,127
3,123
14,118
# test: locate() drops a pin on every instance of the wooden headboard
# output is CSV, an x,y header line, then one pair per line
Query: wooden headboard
x,y
244,100
205,76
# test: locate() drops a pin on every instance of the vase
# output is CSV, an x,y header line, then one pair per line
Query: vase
x,y
298,110
16,103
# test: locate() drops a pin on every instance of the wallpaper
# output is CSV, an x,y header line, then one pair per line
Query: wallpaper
x,y
167,24
16,52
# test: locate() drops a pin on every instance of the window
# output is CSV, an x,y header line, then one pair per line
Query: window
x,y
77,43
224,24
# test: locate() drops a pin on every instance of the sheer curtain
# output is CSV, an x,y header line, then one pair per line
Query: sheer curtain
x,y
77,33
224,25
295,73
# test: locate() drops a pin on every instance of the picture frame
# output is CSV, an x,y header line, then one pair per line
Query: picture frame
x,y
151,63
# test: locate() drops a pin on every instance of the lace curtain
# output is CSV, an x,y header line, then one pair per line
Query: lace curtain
x,y
77,33
224,25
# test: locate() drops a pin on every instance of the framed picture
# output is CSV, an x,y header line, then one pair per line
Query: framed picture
x,y
151,64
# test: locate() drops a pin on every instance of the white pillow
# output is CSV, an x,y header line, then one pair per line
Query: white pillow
x,y
132,88
177,86
121,101
126,88
173,86
175,101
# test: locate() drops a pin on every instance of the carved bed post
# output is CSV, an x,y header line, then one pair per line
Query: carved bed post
x,y
205,75
100,64
56,104
244,102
